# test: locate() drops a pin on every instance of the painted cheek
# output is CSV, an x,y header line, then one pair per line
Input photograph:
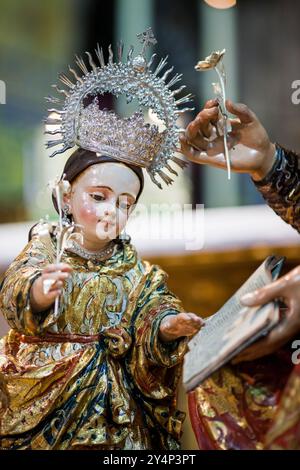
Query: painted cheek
x,y
87,211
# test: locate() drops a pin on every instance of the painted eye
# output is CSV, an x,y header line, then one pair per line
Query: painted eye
x,y
124,205
97,197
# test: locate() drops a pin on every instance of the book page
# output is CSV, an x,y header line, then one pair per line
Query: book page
x,y
225,331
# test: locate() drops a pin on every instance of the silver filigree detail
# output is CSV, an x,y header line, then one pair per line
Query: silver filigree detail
x,y
95,257
88,127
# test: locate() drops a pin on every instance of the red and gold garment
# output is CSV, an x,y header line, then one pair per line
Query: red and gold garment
x,y
256,405
252,405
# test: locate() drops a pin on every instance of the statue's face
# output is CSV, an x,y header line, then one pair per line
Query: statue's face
x,y
102,198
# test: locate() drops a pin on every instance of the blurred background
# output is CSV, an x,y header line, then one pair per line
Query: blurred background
x,y
262,38
39,39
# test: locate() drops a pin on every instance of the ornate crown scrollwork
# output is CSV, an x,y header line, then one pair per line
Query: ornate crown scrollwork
x,y
129,139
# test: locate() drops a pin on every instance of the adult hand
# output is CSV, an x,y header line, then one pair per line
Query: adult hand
x,y
176,326
48,286
250,148
286,288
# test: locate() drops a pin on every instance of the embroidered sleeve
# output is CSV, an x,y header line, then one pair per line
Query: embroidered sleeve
x,y
281,187
16,285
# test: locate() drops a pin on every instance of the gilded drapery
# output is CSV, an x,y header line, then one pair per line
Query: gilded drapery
x,y
96,374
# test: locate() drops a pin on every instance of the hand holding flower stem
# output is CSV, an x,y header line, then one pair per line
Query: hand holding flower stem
x,y
64,232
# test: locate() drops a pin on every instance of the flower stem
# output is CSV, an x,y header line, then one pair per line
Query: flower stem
x,y
226,150
58,238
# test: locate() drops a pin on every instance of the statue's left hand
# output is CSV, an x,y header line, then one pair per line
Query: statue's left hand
x,y
173,327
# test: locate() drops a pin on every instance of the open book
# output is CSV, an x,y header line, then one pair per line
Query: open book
x,y
232,328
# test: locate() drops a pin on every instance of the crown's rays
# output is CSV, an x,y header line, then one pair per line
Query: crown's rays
x,y
62,150
184,110
65,80
110,55
130,54
54,110
166,74
185,99
120,50
91,62
151,60
53,143
100,56
52,99
160,66
165,177
91,78
181,163
178,90
170,169
79,61
79,79
61,90
154,180
57,131
177,77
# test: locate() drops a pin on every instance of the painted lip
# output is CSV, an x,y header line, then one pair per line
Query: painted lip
x,y
106,223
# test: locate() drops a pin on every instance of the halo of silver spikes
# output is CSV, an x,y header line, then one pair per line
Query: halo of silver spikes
x,y
135,80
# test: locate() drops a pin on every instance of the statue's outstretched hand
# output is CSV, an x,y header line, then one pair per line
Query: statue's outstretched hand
x,y
173,327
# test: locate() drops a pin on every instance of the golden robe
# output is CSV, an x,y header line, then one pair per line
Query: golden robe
x,y
95,375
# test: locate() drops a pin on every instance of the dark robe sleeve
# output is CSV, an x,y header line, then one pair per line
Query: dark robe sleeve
x,y
281,187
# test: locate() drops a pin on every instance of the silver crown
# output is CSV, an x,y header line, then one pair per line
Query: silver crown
x,y
126,139
129,139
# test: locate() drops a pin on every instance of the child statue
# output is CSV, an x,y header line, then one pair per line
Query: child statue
x,y
100,368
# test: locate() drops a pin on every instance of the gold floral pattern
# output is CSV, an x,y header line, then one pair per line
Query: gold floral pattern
x,y
253,405
95,375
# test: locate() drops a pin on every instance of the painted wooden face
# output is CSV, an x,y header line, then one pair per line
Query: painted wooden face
x,y
102,198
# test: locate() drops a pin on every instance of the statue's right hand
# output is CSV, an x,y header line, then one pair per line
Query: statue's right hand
x,y
48,286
